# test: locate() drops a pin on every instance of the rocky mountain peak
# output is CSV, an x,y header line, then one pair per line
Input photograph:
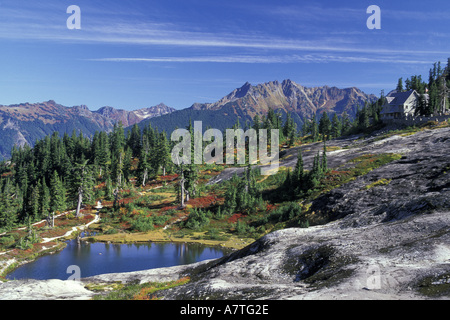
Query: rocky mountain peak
x,y
291,97
242,91
26,122
155,111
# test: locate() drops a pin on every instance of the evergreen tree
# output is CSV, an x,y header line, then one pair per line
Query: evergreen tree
x,y
108,189
336,126
21,179
31,173
346,123
189,172
325,125
289,130
134,140
32,203
44,204
366,116
43,156
102,152
315,174
298,175
314,129
269,125
433,103
324,158
8,205
242,194
117,168
271,120
289,180
127,162
191,180
81,185
117,140
180,187
257,123
57,194
69,145
363,117
230,203
299,170
163,153
422,107
399,85
144,166
56,152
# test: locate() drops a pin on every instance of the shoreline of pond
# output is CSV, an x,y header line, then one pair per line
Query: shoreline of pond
x,y
9,266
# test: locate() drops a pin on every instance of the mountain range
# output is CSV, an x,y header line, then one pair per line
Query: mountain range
x,y
24,123
247,101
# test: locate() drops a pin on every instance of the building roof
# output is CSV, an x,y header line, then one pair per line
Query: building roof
x,y
400,97
395,101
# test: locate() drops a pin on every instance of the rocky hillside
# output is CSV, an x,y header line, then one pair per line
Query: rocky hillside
x,y
291,97
25,123
388,237
247,101
130,118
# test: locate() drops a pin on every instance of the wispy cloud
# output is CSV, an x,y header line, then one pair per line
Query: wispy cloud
x,y
413,15
156,36
343,46
124,32
311,13
267,59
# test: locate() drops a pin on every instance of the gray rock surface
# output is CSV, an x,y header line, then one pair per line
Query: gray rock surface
x,y
386,242
44,290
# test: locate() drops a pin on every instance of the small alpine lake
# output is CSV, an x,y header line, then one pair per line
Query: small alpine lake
x,y
90,259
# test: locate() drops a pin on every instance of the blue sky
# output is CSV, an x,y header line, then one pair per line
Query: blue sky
x,y
133,54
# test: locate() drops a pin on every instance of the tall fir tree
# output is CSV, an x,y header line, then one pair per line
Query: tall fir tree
x,y
44,201
399,85
134,140
336,126
57,194
324,158
325,125
81,185
144,165
8,205
163,153
314,128
298,174
289,130
117,141
346,122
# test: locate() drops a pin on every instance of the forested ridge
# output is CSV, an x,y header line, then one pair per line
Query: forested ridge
x,y
62,173
53,175
65,173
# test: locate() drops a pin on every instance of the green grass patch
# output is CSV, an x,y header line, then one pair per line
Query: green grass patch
x,y
435,286
362,165
136,291
381,182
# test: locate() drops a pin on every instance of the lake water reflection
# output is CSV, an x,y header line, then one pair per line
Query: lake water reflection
x,y
100,258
